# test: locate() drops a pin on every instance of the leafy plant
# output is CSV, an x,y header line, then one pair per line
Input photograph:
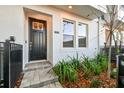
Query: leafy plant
x,y
102,60
72,74
95,83
65,71
96,68
75,61
95,65
100,63
87,72
87,67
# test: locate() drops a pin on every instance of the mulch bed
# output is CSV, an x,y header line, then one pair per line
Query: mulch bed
x,y
86,83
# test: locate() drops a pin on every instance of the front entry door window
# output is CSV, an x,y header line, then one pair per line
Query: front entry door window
x,y
37,39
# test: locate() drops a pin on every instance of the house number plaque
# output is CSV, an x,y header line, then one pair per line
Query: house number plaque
x,y
56,32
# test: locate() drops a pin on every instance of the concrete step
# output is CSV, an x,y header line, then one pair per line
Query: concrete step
x,y
38,78
34,63
37,65
38,75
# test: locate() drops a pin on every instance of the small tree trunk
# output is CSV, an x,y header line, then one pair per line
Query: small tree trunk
x,y
120,47
109,55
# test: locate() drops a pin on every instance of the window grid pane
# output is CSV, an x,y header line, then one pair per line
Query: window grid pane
x,y
82,41
68,28
68,34
68,40
82,35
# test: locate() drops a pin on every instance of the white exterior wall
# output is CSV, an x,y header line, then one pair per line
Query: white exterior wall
x,y
12,22
102,33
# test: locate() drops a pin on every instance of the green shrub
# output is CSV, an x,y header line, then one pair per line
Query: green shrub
x,y
103,61
94,66
97,70
87,67
65,71
86,70
95,83
72,74
75,61
100,63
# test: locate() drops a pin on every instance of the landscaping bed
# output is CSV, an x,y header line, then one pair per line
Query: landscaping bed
x,y
84,72
103,81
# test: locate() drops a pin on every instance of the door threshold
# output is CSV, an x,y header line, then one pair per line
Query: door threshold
x,y
37,61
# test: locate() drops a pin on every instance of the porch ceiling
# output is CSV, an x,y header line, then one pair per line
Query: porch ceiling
x,y
86,11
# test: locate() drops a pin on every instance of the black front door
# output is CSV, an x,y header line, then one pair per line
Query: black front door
x,y
37,39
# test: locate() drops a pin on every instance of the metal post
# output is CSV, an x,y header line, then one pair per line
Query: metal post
x,y
105,51
1,64
120,70
117,66
7,64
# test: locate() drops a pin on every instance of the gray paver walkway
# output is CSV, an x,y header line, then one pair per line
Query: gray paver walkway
x,y
39,75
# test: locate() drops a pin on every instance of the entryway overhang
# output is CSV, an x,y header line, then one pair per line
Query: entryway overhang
x,y
87,11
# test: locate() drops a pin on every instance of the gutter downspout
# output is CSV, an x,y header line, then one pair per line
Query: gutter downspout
x,y
98,35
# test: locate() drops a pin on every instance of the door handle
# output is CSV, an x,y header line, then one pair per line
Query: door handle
x,y
30,42
30,45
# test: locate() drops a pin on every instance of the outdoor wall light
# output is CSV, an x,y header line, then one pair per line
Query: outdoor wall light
x,y
70,6
12,38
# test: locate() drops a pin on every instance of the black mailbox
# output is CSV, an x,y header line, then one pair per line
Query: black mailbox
x,y
120,71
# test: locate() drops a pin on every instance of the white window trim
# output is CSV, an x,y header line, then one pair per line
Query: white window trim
x,y
87,30
76,47
74,40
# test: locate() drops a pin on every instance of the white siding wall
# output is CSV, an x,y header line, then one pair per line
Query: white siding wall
x,y
102,37
12,23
